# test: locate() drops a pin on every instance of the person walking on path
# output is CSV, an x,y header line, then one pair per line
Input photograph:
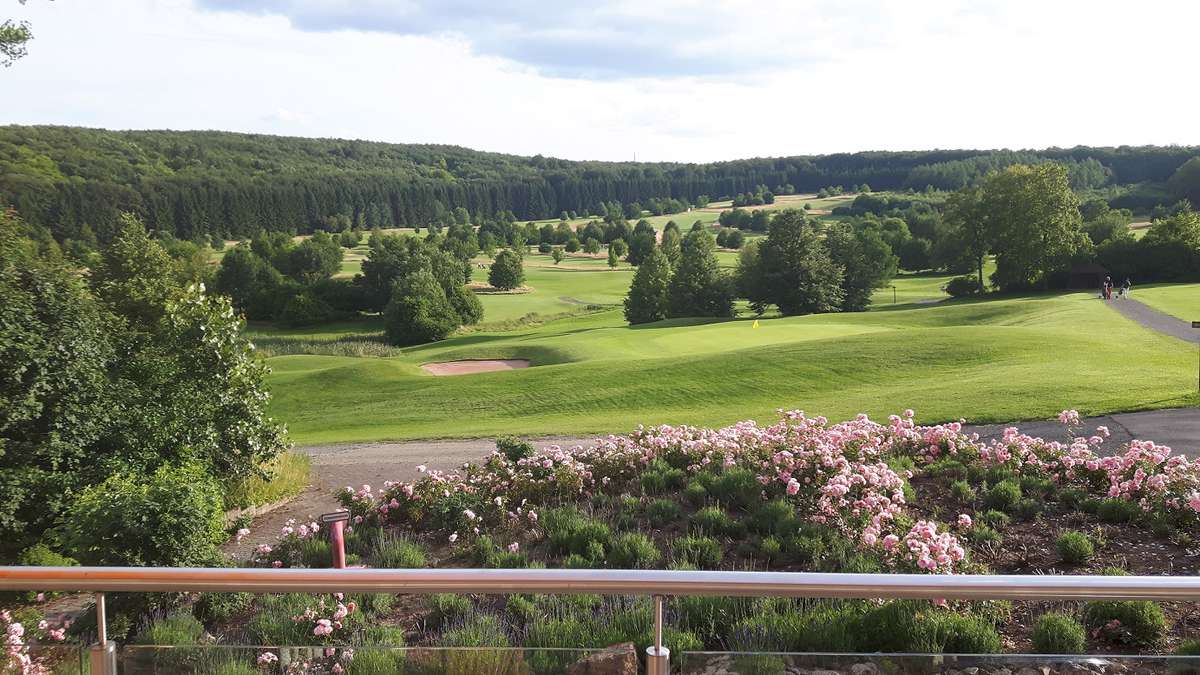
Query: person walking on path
x,y
1108,284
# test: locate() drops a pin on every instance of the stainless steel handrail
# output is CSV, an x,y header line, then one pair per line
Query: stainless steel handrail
x,y
653,583
606,582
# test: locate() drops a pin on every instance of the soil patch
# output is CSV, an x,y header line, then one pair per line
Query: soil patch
x,y
473,366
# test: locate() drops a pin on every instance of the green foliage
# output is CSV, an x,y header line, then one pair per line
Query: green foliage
x,y
171,518
1141,622
713,520
791,269
866,260
1074,547
480,630
660,478
737,487
394,552
1058,633
649,293
770,548
777,516
695,493
449,607
173,630
376,661
662,512
419,311
703,552
1188,648
699,287
507,271
1003,496
962,491
40,555
514,448
915,626
961,287
633,550
219,608
568,531
1118,511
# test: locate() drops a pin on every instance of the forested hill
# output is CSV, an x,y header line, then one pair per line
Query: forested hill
x,y
203,183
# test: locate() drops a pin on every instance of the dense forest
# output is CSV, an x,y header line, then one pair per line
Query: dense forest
x,y
197,184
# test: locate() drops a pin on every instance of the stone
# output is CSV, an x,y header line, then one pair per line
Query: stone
x,y
619,659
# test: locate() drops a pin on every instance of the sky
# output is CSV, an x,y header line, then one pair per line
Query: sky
x,y
653,80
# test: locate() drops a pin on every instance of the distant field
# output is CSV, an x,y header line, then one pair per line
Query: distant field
x,y
1179,300
989,360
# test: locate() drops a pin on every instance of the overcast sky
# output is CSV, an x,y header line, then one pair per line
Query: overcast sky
x,y
659,79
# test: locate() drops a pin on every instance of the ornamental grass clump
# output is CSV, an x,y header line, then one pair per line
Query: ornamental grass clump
x,y
1137,622
1003,496
1058,633
633,550
396,552
703,552
1074,547
712,520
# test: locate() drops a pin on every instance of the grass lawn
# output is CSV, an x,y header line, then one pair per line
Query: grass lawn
x,y
1179,300
984,360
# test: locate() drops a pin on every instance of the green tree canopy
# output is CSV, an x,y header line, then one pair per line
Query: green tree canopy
x,y
649,294
866,260
699,287
507,271
419,311
791,269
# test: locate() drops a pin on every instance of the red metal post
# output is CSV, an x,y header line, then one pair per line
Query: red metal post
x,y
337,540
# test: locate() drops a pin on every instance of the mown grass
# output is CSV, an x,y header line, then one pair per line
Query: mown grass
x,y
1181,301
985,360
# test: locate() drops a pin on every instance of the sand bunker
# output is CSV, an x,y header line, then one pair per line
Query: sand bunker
x,y
474,366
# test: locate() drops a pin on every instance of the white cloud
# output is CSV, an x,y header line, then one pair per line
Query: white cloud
x,y
665,80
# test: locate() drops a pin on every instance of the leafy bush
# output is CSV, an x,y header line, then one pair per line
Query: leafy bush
x,y
961,287
712,520
215,608
660,478
180,520
984,534
633,551
1138,622
695,493
568,531
662,512
1003,496
770,548
305,309
1118,511
40,555
703,552
777,516
1057,633
1074,547
995,518
447,607
507,271
514,448
737,487
962,491
806,549
392,552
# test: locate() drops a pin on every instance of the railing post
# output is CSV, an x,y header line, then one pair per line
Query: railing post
x,y
103,654
658,657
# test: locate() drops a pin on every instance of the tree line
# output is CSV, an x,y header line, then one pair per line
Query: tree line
x,y
194,185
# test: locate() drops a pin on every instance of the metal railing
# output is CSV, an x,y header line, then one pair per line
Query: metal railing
x,y
656,584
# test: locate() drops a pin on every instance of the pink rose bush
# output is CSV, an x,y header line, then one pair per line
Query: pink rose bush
x,y
16,659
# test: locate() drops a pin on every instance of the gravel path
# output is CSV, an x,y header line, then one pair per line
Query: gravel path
x,y
1155,320
336,466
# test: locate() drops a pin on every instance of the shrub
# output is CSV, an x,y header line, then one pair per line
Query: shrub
x,y
634,551
660,478
1188,648
770,548
1074,547
448,607
984,534
305,309
1003,496
736,487
695,493
774,517
806,549
419,311
507,271
568,531
962,491
712,520
1117,511
662,511
1072,497
1028,509
316,553
1057,633
376,661
392,552
40,555
947,467
214,608
576,562
514,448
703,552
960,287
917,626
482,630
173,630
1140,622
180,520
995,518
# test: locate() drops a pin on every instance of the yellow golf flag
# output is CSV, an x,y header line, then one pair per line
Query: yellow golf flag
x,y
755,324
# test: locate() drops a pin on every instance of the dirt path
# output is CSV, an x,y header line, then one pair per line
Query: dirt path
x,y
1155,320
353,464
